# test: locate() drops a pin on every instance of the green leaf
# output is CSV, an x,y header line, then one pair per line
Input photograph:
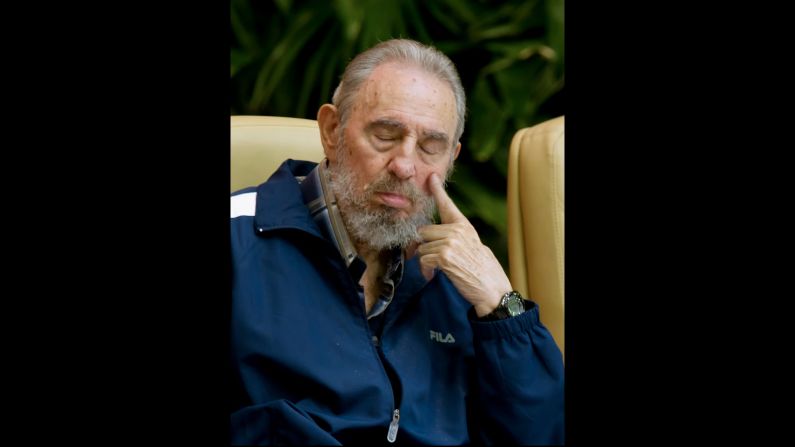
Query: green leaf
x,y
462,9
522,50
499,159
243,26
284,5
238,60
313,71
284,54
452,47
555,13
495,32
527,15
443,18
525,86
498,65
481,201
351,16
417,21
384,21
487,124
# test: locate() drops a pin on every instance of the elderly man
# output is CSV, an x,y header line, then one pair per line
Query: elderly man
x,y
356,318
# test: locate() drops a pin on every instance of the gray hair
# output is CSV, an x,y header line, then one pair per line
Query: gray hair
x,y
425,57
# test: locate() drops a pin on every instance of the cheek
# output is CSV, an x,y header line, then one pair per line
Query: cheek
x,y
439,171
367,173
375,167
422,180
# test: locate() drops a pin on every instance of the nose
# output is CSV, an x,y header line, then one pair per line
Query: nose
x,y
402,162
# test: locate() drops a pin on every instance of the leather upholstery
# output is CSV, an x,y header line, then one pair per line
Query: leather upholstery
x,y
259,144
535,219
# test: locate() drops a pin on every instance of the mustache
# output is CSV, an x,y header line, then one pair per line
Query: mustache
x,y
391,184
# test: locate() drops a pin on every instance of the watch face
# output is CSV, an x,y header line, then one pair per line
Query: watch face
x,y
514,304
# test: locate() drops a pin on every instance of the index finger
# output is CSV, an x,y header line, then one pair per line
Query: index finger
x,y
447,209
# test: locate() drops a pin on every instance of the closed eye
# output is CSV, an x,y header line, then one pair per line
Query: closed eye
x,y
433,147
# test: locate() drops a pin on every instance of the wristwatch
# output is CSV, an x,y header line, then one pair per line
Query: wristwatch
x,y
511,305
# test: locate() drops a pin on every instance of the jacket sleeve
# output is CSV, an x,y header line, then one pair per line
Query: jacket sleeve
x,y
518,387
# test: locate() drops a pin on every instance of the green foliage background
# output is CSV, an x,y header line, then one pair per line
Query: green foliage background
x,y
287,57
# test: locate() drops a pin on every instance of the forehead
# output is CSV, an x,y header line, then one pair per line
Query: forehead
x,y
408,93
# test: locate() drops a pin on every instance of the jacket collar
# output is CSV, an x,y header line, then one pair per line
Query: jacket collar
x,y
280,204
323,208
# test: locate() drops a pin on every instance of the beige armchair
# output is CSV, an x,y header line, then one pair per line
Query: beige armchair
x,y
535,220
259,144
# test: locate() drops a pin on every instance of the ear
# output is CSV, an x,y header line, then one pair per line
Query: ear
x,y
457,151
329,123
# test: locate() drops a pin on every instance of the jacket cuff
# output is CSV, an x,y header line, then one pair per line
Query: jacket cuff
x,y
507,327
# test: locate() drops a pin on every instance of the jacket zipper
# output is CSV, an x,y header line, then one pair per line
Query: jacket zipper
x,y
391,434
393,426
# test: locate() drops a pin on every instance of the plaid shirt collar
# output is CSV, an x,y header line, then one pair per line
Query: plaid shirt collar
x,y
325,211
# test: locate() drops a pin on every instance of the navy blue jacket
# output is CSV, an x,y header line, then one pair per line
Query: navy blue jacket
x,y
309,369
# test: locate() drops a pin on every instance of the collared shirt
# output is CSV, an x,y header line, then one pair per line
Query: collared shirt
x,y
325,211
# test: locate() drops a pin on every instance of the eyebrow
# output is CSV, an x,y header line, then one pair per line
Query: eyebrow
x,y
384,122
397,125
435,135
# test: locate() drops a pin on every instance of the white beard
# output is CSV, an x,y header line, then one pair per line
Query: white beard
x,y
378,226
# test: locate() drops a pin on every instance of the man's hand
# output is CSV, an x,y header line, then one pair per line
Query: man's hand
x,y
454,246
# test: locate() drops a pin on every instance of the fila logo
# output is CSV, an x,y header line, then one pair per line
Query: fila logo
x,y
437,336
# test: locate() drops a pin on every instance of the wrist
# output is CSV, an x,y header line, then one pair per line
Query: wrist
x,y
511,304
486,307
